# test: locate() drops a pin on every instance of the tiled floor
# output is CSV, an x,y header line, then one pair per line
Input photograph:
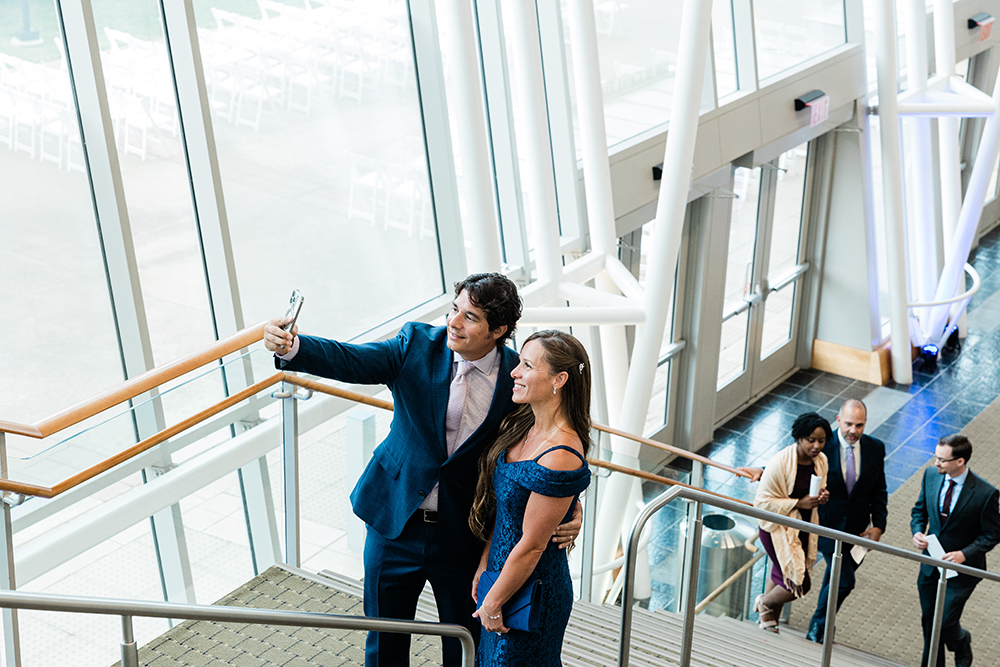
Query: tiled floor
x,y
909,419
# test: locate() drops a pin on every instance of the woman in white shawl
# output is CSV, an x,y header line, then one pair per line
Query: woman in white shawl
x,y
784,489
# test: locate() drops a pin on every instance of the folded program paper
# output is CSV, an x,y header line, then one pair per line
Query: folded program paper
x,y
935,550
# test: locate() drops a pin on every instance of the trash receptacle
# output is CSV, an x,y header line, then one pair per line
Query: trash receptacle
x,y
722,553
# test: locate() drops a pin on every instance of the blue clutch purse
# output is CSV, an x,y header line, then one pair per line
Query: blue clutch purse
x,y
522,610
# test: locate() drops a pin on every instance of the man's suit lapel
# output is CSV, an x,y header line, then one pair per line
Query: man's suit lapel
x,y
869,460
968,490
440,386
834,476
932,500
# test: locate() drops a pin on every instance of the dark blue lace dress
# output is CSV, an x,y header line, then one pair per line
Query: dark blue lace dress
x,y
514,483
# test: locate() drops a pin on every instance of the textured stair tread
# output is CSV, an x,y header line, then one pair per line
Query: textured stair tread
x,y
717,641
591,638
215,644
426,606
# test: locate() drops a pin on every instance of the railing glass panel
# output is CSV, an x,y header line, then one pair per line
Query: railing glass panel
x,y
51,460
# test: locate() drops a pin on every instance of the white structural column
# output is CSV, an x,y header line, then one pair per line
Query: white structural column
x,y
892,186
922,230
466,93
664,248
541,206
600,205
948,128
948,150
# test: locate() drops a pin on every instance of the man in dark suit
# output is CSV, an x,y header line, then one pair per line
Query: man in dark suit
x,y
963,511
451,389
857,505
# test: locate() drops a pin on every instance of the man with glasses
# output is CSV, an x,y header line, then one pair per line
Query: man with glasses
x,y
963,511
451,388
858,500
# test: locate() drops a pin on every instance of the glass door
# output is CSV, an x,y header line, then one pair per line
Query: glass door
x,y
764,269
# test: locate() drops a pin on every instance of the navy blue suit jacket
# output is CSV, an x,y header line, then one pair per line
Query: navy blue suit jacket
x,y
867,502
972,528
416,366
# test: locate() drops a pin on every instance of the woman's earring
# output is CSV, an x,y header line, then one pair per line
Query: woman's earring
x,y
553,391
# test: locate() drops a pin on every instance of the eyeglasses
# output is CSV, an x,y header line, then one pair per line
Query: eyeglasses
x,y
941,460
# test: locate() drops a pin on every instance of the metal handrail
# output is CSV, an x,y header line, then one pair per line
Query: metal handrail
x,y
701,498
129,608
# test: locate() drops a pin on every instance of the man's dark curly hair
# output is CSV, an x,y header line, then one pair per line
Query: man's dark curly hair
x,y
496,295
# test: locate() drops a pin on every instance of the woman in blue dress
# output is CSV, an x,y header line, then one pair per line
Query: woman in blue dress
x,y
528,485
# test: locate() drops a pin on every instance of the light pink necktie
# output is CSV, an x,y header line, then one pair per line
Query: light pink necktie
x,y
456,405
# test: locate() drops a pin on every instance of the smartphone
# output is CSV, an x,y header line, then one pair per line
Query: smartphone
x,y
294,307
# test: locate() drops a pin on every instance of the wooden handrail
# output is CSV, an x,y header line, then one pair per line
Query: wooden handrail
x,y
683,453
387,405
140,447
322,388
614,467
158,376
136,386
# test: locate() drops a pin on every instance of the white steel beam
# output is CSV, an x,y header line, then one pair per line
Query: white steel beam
x,y
968,223
695,28
584,315
533,121
483,249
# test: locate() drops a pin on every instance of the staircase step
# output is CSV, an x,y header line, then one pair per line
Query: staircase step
x,y
591,637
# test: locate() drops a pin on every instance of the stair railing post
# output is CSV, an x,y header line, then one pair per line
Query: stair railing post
x,y
130,654
942,589
693,557
833,595
290,470
696,480
11,633
587,536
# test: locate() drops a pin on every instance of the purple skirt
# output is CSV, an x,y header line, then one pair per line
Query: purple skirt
x,y
776,575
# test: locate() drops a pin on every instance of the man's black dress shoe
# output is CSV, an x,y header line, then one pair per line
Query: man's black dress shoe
x,y
963,652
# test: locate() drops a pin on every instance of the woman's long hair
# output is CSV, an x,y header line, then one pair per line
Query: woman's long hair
x,y
563,352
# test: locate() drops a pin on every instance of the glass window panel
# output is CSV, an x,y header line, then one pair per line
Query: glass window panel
x,y
790,32
733,349
637,50
742,237
52,279
724,43
786,228
656,416
321,148
155,178
778,310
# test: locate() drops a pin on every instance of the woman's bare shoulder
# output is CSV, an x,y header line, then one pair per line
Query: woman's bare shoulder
x,y
562,459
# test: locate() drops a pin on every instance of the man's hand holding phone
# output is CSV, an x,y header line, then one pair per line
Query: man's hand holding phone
x,y
279,333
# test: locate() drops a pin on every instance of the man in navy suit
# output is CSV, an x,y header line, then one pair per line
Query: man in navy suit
x,y
451,389
857,505
963,511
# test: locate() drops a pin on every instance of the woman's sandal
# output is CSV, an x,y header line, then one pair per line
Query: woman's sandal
x,y
770,625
